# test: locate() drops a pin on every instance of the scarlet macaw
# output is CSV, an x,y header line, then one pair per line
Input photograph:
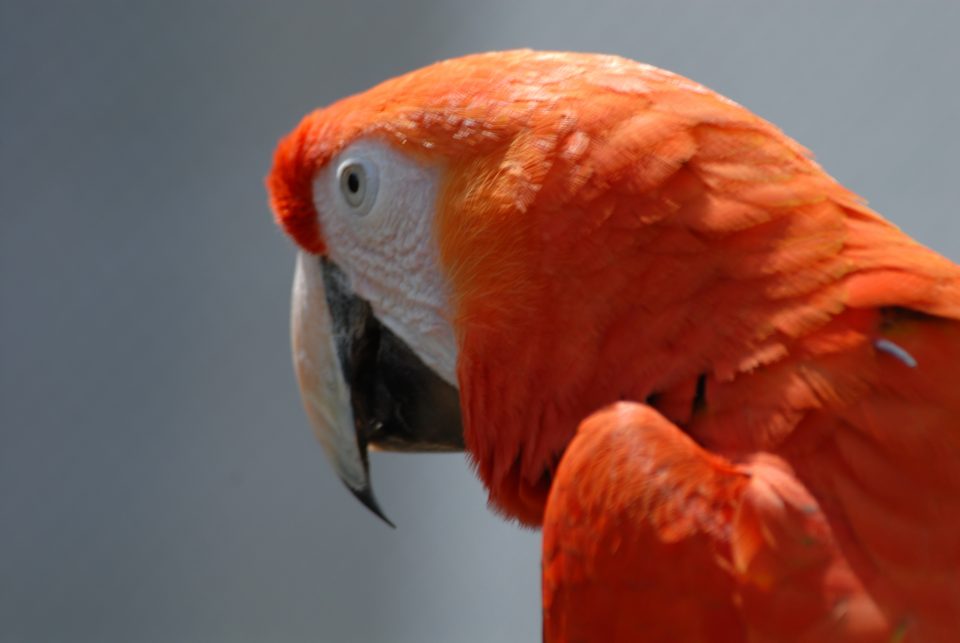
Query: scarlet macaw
x,y
723,385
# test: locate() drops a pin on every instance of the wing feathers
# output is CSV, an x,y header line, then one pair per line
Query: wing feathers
x,y
648,537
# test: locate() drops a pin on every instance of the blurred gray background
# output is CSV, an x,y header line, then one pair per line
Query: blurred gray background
x,y
158,480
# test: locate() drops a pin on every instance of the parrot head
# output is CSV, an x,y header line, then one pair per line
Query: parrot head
x,y
482,255
373,347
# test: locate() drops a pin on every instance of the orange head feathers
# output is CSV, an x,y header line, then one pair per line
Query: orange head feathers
x,y
604,230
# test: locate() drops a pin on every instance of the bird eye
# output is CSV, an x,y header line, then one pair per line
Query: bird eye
x,y
357,184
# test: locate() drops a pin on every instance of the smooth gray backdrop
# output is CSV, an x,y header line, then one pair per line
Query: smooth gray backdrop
x,y
158,480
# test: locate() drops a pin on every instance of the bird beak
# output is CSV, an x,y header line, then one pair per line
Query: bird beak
x,y
361,385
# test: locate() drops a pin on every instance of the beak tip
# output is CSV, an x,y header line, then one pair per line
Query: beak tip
x,y
365,496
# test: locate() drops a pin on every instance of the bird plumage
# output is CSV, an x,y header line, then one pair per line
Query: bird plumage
x,y
614,234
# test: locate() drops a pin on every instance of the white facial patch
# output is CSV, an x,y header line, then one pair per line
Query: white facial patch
x,y
377,207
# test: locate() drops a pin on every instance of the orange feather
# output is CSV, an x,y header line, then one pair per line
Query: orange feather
x,y
611,231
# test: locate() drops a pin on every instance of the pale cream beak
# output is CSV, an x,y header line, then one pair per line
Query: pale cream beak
x,y
360,384
323,388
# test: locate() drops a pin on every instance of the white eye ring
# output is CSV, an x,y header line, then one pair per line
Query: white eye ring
x,y
358,184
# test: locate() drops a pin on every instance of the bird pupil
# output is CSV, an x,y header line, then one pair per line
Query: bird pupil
x,y
353,182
